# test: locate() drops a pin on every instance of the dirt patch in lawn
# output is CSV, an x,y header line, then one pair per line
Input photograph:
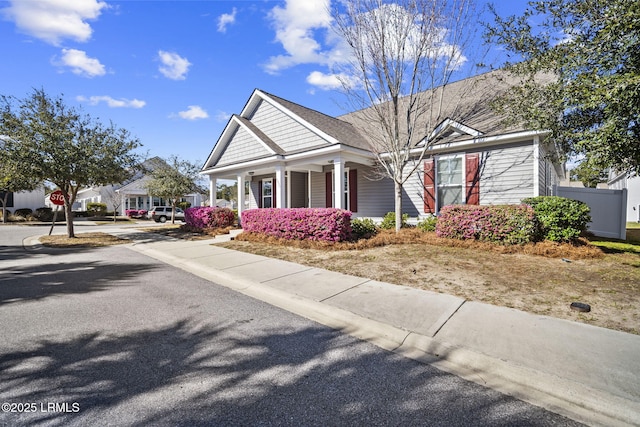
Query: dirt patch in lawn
x,y
541,279
82,240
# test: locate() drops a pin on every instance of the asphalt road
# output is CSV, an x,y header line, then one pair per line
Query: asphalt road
x,y
111,337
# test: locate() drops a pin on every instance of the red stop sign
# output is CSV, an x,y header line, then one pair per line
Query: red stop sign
x,y
57,198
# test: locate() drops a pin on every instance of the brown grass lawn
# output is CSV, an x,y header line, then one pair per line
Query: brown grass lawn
x,y
541,279
82,240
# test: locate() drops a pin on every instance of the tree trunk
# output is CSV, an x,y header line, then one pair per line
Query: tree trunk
x,y
398,192
68,213
4,207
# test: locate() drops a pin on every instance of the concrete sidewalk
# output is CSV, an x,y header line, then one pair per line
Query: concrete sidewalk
x,y
587,373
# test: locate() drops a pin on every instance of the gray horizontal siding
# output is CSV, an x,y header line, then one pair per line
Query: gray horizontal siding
x,y
375,197
318,189
413,195
298,189
547,173
506,175
242,146
283,130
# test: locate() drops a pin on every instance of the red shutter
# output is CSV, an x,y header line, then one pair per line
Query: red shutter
x,y
472,174
429,186
260,194
328,196
353,190
273,193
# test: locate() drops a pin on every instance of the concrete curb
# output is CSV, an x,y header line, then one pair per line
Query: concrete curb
x,y
565,396
560,395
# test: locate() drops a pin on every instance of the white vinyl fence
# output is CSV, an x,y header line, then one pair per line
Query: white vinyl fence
x,y
608,209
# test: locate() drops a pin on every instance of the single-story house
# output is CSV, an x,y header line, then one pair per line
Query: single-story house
x,y
130,194
289,155
24,199
223,203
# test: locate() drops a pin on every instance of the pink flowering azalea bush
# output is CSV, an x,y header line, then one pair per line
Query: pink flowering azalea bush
x,y
203,217
507,224
325,224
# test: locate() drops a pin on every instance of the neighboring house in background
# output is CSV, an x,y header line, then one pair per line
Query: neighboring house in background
x,y
630,181
223,203
293,156
131,194
24,200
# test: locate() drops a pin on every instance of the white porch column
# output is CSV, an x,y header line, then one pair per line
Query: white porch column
x,y
536,166
288,186
213,189
240,179
338,184
281,190
309,188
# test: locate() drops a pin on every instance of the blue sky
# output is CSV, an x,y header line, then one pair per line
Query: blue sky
x,y
172,72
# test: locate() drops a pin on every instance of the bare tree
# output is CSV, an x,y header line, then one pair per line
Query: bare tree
x,y
115,200
402,56
172,180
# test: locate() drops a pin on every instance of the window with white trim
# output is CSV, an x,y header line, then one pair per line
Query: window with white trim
x,y
267,193
450,180
345,191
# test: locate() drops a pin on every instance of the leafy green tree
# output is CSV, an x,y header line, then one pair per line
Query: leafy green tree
x,y
227,192
71,150
590,49
172,180
589,173
15,173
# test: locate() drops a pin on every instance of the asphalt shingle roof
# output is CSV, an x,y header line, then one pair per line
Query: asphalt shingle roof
x,y
341,130
466,101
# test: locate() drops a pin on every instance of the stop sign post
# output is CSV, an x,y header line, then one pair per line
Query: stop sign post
x,y
57,198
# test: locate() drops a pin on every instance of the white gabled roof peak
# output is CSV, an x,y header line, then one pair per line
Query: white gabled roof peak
x,y
450,126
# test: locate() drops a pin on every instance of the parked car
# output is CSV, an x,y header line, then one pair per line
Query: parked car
x,y
163,213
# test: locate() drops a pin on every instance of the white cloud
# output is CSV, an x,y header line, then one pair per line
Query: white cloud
x,y
222,116
226,19
113,103
324,81
80,63
55,20
295,25
173,65
193,112
333,81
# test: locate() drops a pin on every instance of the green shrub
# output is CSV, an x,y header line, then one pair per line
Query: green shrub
x,y
428,224
44,214
183,205
561,219
95,208
23,212
389,221
363,228
505,224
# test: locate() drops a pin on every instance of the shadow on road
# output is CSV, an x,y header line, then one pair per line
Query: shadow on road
x,y
38,276
175,375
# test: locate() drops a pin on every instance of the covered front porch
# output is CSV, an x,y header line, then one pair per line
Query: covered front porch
x,y
295,183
